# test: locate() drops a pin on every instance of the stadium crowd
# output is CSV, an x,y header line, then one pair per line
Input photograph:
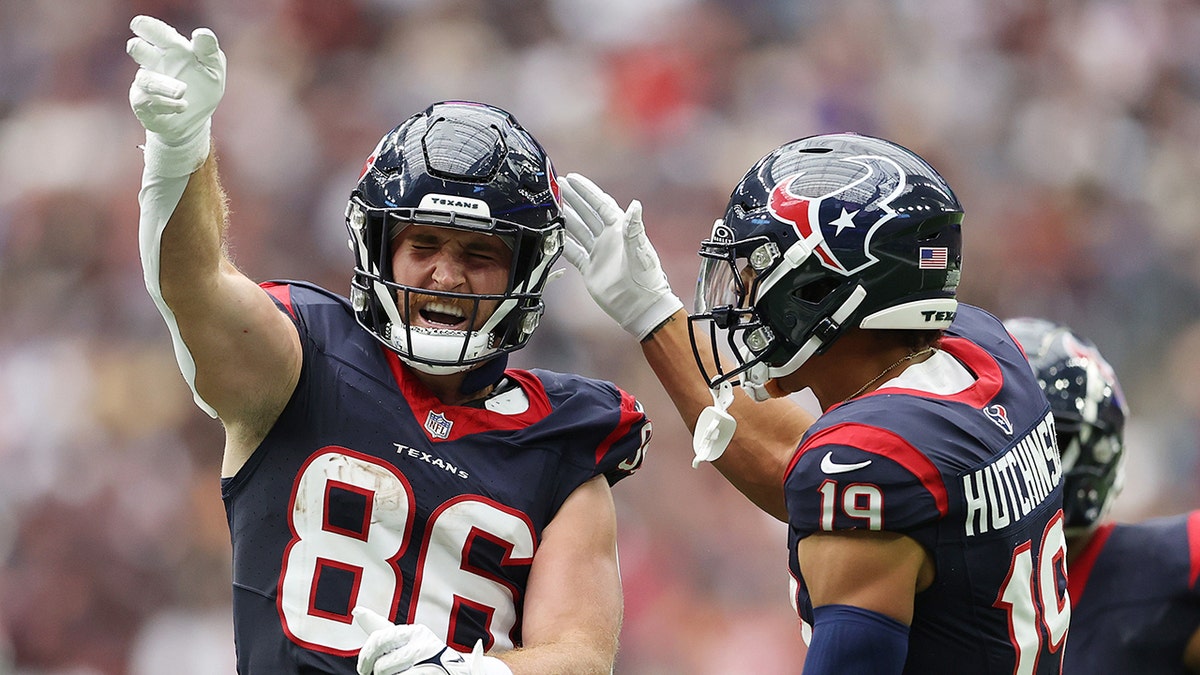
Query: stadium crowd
x,y
1069,130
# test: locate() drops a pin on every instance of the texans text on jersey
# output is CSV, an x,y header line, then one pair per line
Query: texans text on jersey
x,y
430,459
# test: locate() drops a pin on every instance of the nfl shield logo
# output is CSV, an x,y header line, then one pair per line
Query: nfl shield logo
x,y
437,425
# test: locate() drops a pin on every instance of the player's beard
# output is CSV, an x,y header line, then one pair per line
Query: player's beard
x,y
434,311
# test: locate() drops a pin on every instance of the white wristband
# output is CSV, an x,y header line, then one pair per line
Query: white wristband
x,y
655,314
175,161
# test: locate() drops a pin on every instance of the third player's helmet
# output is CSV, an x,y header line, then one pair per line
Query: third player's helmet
x,y
822,234
1089,416
466,166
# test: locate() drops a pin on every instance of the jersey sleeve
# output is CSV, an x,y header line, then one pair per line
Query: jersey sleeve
x,y
858,477
622,451
290,298
317,313
602,428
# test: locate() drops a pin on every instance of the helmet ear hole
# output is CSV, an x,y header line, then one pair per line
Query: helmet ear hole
x,y
816,291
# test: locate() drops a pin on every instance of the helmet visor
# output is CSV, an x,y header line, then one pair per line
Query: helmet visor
x,y
724,317
718,284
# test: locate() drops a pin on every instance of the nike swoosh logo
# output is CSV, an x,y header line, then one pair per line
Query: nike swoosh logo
x,y
830,466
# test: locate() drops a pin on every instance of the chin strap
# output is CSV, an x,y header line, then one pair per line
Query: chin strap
x,y
755,379
714,427
487,373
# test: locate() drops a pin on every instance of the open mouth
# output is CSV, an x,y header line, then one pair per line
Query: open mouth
x,y
440,314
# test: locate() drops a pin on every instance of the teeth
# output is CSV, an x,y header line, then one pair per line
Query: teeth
x,y
444,308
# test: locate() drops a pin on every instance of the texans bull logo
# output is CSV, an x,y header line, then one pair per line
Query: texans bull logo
x,y
837,226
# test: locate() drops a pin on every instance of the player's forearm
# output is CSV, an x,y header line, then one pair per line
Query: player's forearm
x,y
239,355
585,656
668,351
192,245
767,433
573,600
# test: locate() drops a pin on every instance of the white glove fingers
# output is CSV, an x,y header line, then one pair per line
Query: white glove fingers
x,y
143,53
158,85
633,215
575,253
382,647
369,620
174,94
400,660
577,200
637,244
598,199
205,47
366,663
150,110
393,649
586,186
158,33
576,228
579,218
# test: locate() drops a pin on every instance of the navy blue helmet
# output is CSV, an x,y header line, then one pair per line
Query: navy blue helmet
x,y
822,234
1089,416
467,166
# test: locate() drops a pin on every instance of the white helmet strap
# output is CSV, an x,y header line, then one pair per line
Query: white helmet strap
x,y
757,375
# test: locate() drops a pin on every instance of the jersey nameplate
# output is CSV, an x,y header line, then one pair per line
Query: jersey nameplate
x,y
1015,484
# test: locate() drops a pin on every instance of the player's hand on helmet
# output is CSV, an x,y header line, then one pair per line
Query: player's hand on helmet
x,y
620,267
175,92
413,649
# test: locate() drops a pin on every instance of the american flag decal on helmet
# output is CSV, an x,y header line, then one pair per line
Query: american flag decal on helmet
x,y
932,258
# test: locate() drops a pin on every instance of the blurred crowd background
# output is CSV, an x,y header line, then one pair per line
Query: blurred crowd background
x,y
1069,130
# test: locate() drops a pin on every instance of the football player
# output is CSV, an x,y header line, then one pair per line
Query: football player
x,y
1134,592
382,465
925,503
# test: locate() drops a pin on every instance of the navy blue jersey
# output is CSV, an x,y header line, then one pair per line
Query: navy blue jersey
x,y
368,491
1135,600
973,476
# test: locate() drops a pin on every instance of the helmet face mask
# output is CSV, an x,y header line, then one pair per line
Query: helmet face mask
x,y
724,288
823,234
1089,411
467,167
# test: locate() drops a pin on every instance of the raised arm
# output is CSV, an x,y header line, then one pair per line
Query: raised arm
x,y
767,433
622,272
239,354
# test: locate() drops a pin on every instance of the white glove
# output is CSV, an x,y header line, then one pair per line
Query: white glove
x,y
413,649
620,268
175,93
